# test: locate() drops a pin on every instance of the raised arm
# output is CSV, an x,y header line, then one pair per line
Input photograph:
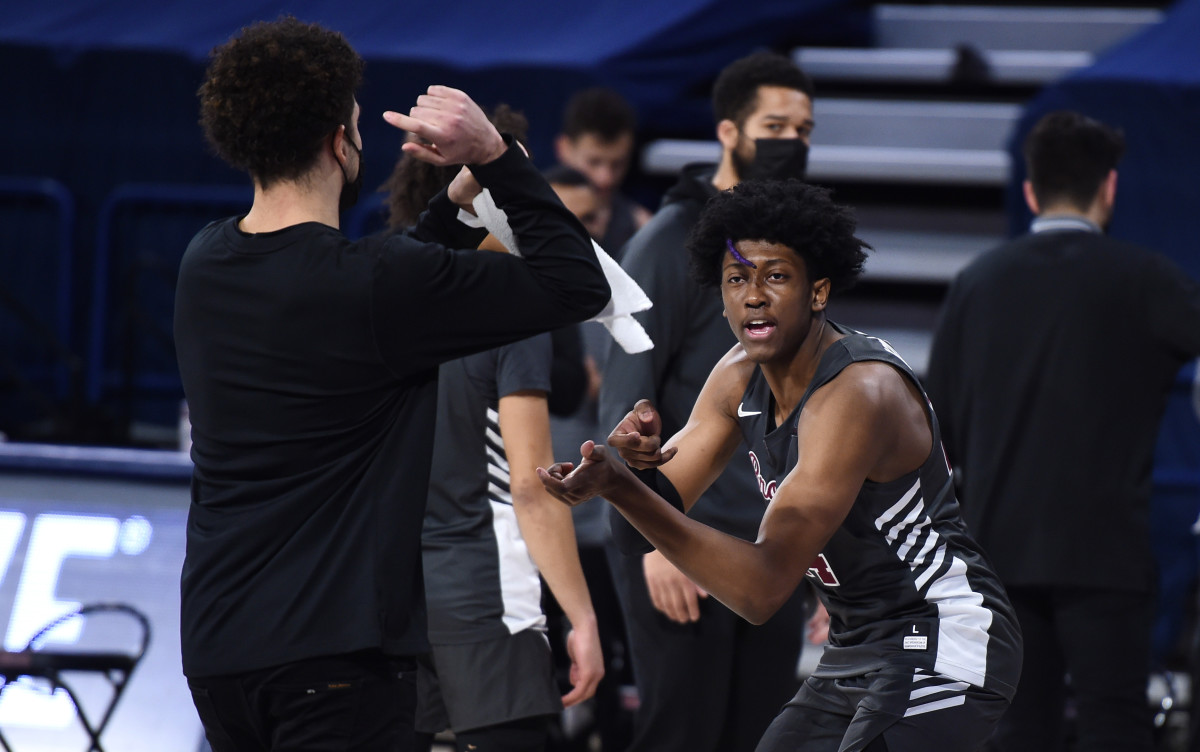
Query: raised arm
x,y
879,423
430,303
549,533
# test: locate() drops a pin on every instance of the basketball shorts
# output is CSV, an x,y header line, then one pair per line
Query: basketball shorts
x,y
476,684
894,710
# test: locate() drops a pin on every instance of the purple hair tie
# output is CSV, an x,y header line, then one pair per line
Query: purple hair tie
x,y
740,258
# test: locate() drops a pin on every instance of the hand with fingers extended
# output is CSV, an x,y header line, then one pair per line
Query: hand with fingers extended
x,y
671,592
638,438
451,129
597,474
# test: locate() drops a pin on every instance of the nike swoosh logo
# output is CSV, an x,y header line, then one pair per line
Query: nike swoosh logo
x,y
747,413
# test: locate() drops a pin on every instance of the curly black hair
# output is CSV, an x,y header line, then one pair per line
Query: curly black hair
x,y
735,92
413,183
273,93
800,216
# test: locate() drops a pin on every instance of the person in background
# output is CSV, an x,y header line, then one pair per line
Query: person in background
x,y
490,529
1050,368
581,197
597,139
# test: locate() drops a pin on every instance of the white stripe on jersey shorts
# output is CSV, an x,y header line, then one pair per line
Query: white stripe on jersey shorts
x,y
897,710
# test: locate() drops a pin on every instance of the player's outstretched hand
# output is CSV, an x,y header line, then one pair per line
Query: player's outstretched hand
x,y
452,129
638,438
597,474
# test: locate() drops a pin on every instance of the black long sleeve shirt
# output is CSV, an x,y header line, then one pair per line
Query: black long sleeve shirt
x,y
310,367
1050,370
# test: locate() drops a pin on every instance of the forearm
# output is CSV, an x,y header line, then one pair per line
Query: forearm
x,y
549,533
742,575
625,536
556,247
439,224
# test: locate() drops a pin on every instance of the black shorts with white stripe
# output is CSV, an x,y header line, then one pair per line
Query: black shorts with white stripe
x,y
893,710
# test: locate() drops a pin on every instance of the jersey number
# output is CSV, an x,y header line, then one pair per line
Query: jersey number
x,y
822,571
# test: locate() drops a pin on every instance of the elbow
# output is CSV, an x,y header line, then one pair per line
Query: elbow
x,y
758,614
590,292
527,497
758,608
593,295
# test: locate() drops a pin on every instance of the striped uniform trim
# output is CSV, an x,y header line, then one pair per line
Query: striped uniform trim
x,y
498,480
933,692
941,579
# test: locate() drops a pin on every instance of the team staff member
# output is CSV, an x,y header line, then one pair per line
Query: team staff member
x,y
1052,412
310,367
924,649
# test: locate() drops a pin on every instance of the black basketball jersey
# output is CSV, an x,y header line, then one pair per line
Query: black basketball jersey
x,y
902,579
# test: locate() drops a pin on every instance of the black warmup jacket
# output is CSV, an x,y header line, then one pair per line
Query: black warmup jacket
x,y
310,367
1050,370
690,335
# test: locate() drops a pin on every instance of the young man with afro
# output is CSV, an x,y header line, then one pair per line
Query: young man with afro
x,y
924,650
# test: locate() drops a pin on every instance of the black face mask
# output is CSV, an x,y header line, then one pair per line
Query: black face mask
x,y
774,159
351,188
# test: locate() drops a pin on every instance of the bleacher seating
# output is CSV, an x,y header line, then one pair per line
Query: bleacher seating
x,y
38,370
915,130
142,233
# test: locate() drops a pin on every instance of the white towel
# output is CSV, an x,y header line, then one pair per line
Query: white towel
x,y
627,297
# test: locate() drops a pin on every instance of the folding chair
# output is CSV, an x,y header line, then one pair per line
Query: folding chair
x,y
51,665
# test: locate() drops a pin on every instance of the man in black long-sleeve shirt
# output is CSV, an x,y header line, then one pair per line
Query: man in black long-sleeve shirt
x,y
310,367
1050,370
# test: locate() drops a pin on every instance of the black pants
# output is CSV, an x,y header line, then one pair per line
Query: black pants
x,y
1101,639
521,735
361,701
715,684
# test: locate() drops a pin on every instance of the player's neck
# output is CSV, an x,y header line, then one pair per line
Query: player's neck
x,y
287,203
789,379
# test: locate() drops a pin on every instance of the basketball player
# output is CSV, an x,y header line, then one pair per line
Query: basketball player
x,y
924,650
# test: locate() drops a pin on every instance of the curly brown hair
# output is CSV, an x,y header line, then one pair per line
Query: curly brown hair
x,y
273,93
413,182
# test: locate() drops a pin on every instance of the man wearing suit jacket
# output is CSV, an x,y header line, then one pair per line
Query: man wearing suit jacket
x,y
1050,371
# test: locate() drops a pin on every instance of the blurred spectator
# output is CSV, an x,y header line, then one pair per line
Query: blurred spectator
x,y
1050,370
581,198
707,679
597,140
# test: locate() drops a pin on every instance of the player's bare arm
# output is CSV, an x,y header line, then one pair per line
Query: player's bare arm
x,y
549,533
859,426
694,457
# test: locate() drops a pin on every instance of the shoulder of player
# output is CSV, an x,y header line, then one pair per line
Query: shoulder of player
x,y
735,369
729,378
864,387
